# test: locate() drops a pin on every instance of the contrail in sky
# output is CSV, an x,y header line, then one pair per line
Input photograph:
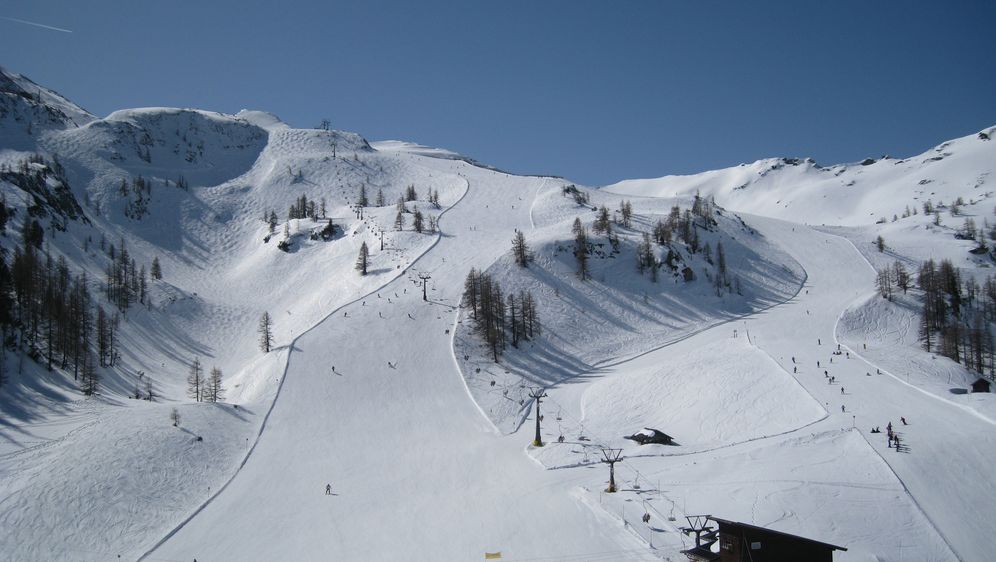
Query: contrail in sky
x,y
41,25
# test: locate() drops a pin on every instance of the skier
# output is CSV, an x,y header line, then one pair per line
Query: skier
x,y
817,363
889,427
794,369
825,373
328,489
842,408
842,390
818,342
903,420
793,359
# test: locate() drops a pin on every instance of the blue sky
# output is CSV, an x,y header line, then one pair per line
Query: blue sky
x,y
594,91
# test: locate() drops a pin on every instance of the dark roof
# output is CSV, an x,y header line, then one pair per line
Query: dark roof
x,y
701,553
982,380
777,533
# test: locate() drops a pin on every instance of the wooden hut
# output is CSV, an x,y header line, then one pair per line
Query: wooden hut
x,y
981,385
740,542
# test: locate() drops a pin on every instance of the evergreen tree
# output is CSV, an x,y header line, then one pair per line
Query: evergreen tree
x,y
215,391
362,199
195,380
721,263
399,221
417,222
265,331
380,198
581,252
520,249
363,259
157,271
89,379
602,223
626,212
902,276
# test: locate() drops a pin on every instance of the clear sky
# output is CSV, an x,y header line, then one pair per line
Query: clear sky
x,y
594,91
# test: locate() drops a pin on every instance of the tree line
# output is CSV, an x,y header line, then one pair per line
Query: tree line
x,y
497,316
49,314
956,311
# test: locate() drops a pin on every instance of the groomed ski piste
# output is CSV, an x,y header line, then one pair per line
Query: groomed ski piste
x,y
388,397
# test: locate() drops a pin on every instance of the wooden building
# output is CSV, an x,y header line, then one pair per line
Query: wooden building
x,y
981,385
740,542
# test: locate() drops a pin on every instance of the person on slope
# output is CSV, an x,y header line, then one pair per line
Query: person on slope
x,y
903,420
328,489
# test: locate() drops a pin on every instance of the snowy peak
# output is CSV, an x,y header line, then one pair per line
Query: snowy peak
x,y
27,108
848,194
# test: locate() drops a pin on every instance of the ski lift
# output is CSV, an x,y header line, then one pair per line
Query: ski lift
x,y
559,410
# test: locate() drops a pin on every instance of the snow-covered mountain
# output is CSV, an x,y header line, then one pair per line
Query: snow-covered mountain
x,y
695,318
852,194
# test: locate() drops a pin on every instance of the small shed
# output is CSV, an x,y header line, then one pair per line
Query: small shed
x,y
688,274
741,542
981,385
651,435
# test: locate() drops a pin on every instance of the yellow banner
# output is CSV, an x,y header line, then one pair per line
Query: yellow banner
x,y
492,555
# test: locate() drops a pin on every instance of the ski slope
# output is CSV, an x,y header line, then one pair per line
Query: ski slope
x,y
820,475
389,398
417,471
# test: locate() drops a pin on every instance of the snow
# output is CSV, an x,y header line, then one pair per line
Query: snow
x,y
847,194
377,392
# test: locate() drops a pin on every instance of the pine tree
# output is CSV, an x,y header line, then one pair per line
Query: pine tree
x,y
157,271
721,263
272,221
195,380
411,194
521,250
215,391
902,276
581,252
174,416
602,223
645,259
89,379
880,244
363,259
399,221
626,212
362,199
380,198
417,221
265,332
